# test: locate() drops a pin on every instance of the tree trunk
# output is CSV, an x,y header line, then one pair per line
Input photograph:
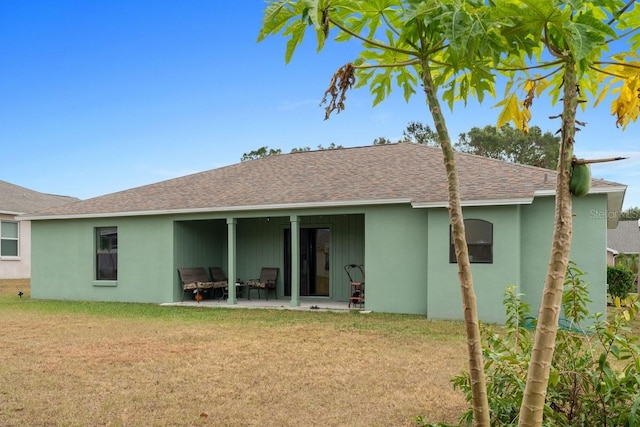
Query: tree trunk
x,y
531,410
476,363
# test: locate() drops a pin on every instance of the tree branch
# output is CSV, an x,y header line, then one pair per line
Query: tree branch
x,y
371,42
621,11
437,47
587,161
623,35
397,64
547,75
606,72
384,18
555,52
533,67
621,64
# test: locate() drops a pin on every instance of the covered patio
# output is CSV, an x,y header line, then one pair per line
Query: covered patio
x,y
308,251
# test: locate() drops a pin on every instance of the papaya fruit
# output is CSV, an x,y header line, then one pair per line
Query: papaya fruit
x,y
580,180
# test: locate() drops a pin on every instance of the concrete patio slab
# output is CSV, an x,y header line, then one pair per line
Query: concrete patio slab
x,y
274,304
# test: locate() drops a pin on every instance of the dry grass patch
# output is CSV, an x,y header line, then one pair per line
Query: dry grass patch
x,y
134,364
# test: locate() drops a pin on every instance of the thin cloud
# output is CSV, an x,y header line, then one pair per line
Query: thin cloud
x,y
288,105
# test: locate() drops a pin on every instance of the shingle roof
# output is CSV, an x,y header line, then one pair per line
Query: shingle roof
x,y
625,238
18,200
350,176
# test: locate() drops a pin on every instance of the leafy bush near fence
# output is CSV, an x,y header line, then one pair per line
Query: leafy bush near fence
x,y
620,281
595,375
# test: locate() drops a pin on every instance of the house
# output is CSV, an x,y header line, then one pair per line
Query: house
x,y
611,256
311,213
625,238
15,234
624,241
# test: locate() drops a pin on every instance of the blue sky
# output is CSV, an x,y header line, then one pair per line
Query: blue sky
x,y
104,95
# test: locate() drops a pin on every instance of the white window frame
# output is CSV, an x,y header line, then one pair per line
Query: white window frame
x,y
16,239
110,252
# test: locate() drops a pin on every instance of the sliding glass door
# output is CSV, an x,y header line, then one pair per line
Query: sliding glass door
x,y
314,261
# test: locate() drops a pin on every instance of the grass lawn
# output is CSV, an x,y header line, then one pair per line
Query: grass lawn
x,y
89,364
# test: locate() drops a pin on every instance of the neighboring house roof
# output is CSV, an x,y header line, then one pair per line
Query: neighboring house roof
x,y
16,200
625,238
375,174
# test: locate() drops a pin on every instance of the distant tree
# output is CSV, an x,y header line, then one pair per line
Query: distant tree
x,y
630,214
381,140
259,153
506,143
420,134
266,151
331,146
415,132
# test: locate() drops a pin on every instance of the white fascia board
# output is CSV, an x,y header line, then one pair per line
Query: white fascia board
x,y
10,213
616,189
470,203
593,190
224,209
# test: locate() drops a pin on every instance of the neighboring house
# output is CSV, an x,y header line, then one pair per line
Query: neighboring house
x,y
310,214
15,235
625,238
624,241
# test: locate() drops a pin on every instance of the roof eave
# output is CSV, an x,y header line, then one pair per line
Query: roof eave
x,y
469,203
212,209
615,198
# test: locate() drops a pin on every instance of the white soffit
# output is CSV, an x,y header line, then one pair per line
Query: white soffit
x,y
468,203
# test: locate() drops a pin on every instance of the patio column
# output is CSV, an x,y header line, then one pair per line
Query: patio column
x,y
295,261
231,261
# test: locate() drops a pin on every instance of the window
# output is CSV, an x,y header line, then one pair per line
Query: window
x,y
9,238
479,235
107,253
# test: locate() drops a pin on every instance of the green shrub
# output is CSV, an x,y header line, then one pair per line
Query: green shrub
x,y
595,373
620,281
629,261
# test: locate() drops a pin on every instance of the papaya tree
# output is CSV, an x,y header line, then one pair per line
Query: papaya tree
x,y
456,46
562,49
434,45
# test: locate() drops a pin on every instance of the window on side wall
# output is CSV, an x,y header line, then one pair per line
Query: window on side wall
x,y
9,239
106,253
479,235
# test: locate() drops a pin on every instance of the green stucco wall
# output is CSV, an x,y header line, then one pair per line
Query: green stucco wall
x,y
150,249
405,252
490,280
588,248
396,251
63,260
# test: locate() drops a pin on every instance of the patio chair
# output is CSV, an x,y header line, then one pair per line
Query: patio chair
x,y
355,273
267,280
219,281
194,280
